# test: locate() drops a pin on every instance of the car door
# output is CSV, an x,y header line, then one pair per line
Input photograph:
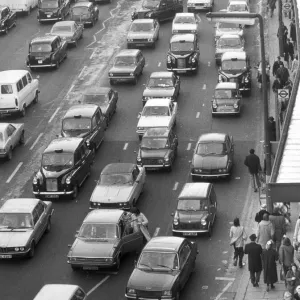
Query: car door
x,y
26,90
176,82
31,86
41,210
173,111
131,241
38,230
59,52
5,17
185,263
86,161
98,127
212,204
136,183
12,135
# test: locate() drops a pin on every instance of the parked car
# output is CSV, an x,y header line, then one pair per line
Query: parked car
x,y
163,268
196,210
23,221
7,19
240,6
56,176
128,66
213,156
120,186
143,33
183,55
85,121
46,52
227,99
158,149
157,113
199,5
162,85
228,28
69,31
20,6
11,135
86,13
185,23
63,291
53,10
104,237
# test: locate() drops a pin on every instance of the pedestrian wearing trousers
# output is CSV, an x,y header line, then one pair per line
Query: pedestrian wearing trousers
x,y
292,278
252,161
278,222
293,33
265,231
286,254
254,252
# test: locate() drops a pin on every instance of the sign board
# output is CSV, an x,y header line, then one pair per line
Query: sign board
x,y
229,17
284,192
287,6
283,95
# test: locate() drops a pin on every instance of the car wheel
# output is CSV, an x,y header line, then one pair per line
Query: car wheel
x,y
177,296
66,55
15,24
75,44
169,169
9,154
135,80
111,81
22,138
75,192
209,233
36,98
57,65
107,122
32,250
29,11
62,17
6,30
194,178
23,111
118,262
153,45
81,36
75,268
48,228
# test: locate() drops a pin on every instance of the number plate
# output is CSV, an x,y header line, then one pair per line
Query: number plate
x,y
90,268
190,233
40,61
180,71
139,45
48,16
5,256
51,196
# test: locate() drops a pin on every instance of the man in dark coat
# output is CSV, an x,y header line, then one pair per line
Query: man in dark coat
x,y
278,222
269,258
293,34
276,65
254,252
259,215
253,163
283,74
272,128
276,85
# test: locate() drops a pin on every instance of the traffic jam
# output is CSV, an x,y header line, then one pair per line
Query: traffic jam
x,y
115,224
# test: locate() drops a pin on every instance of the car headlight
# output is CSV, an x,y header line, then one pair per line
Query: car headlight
x,y
167,293
222,170
131,74
68,180
206,4
131,291
35,180
130,40
194,31
175,31
235,105
190,4
203,222
167,159
111,74
109,260
141,128
197,170
214,105
246,79
175,221
2,151
150,40
149,15
146,98
138,159
17,249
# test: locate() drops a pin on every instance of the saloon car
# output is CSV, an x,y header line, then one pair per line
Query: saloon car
x,y
157,113
53,10
143,33
235,67
102,240
106,98
185,23
228,28
66,164
197,5
238,7
11,135
162,85
86,13
7,19
183,55
227,99
213,156
158,149
23,221
46,52
61,291
163,268
196,210
69,31
128,66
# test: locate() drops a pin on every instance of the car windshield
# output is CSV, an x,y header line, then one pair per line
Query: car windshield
x,y
99,99
160,82
116,179
151,3
237,7
137,27
234,65
77,124
185,20
150,111
93,231
210,148
57,162
57,29
80,10
182,46
229,43
229,26
41,47
221,94
6,89
125,61
154,143
192,205
49,4
165,261
15,221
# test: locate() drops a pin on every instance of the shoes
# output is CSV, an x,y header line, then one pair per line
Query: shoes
x,y
272,286
235,262
255,190
268,288
257,284
240,266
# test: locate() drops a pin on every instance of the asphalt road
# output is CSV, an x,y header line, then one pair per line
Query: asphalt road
x,y
87,65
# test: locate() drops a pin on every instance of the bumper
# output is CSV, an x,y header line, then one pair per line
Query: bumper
x,y
140,44
226,112
210,175
52,194
198,8
245,88
190,232
3,154
49,19
119,78
92,265
141,298
9,111
41,66
140,133
181,70
162,166
11,255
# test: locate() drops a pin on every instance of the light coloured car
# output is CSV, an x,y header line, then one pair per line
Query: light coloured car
x,y
143,33
157,113
228,28
61,292
11,135
120,186
238,7
198,5
185,23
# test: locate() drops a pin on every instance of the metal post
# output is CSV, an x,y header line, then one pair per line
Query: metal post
x,y
277,118
280,32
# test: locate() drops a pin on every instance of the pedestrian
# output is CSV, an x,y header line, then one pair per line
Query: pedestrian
x,y
279,225
297,293
289,48
292,278
272,129
265,231
284,32
286,54
287,296
293,34
252,161
271,6
283,74
254,252
276,85
276,65
286,255
294,68
259,215
297,256
237,237
269,258
296,237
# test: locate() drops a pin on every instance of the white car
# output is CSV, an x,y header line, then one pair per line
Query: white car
x,y
157,113
197,5
185,23
228,28
238,7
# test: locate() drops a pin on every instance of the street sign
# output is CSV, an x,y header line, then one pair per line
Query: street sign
x,y
211,17
283,95
287,6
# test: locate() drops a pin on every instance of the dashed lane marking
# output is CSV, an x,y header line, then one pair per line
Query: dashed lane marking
x,y
97,285
189,146
125,146
224,290
204,87
53,115
36,141
156,232
28,140
175,186
71,88
82,71
198,115
159,64
208,63
14,172
225,278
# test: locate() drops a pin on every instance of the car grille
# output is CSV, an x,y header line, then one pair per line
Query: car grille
x,y
140,40
184,31
149,294
199,4
4,250
181,63
152,161
82,259
141,15
190,225
109,205
51,185
121,74
233,80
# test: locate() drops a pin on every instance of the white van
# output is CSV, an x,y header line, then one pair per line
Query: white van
x,y
20,5
17,91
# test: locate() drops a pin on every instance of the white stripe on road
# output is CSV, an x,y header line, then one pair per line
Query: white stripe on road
x,y
54,114
224,290
94,37
36,141
159,64
204,86
97,285
82,71
175,186
125,146
198,115
71,88
14,172
28,140
189,146
225,278
156,232
208,63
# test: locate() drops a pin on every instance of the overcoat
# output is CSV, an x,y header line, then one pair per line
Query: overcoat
x,y
254,252
269,258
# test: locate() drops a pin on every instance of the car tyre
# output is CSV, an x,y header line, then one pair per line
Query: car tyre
x,y
48,228
32,250
75,44
169,169
10,154
36,98
57,65
111,82
6,30
23,111
75,268
135,80
177,295
209,233
118,262
153,45
22,138
194,178
75,191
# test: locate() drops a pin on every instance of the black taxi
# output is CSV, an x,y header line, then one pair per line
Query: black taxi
x,y
183,55
158,9
53,10
85,121
46,52
7,19
66,163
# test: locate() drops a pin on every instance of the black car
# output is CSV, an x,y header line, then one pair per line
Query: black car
x,y
85,121
235,67
158,149
66,163
183,55
53,10
158,9
7,19
46,52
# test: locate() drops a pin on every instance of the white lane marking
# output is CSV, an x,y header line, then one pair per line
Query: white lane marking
x,y
28,140
125,146
71,88
53,115
208,63
189,146
237,177
97,285
203,104
225,278
95,40
156,232
204,86
159,64
198,115
36,141
224,290
82,71
175,186
14,172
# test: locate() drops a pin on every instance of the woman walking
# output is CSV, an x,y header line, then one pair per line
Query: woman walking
x,y
292,278
286,254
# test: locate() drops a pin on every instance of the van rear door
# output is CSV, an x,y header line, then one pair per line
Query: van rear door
x,y
7,96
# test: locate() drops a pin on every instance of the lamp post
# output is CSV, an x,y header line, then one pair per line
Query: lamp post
x,y
249,19
280,29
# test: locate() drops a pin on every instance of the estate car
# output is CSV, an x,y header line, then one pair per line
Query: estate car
x,y
198,5
228,28
86,13
185,23
7,19
53,10
240,6
61,292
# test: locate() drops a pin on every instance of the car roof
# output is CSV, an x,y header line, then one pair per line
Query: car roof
x,y
184,14
161,75
238,2
226,85
64,23
104,216
69,144
83,3
56,291
46,38
97,90
128,52
20,205
212,137
157,102
229,36
143,21
164,243
189,37
11,76
116,168
234,54
195,190
157,132
83,110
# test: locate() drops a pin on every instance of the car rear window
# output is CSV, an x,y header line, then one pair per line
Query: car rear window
x,y
40,47
6,89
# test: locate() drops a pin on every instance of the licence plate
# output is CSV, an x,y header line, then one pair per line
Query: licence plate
x,y
51,196
40,61
122,79
48,16
181,71
139,45
5,256
90,268
190,233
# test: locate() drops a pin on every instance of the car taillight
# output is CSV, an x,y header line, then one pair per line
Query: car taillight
x,y
16,101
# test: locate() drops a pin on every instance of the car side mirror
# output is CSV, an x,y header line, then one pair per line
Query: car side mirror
x,y
172,214
69,245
